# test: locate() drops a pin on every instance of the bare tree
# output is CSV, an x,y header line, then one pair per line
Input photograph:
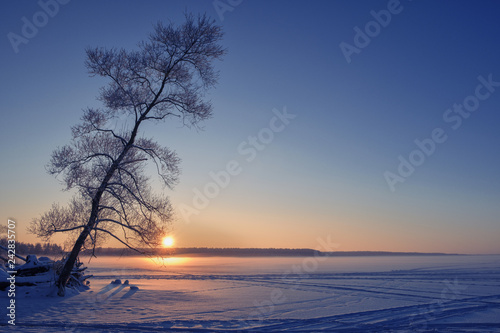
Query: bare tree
x,y
105,161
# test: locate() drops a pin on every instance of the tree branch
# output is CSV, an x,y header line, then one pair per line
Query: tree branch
x,y
118,239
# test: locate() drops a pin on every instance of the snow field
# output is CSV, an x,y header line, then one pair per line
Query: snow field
x,y
446,294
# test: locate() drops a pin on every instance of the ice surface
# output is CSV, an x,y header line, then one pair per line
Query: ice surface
x,y
373,294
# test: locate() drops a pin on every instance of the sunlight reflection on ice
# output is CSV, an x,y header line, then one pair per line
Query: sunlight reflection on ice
x,y
168,261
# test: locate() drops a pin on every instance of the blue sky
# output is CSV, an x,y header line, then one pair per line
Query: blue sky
x,y
323,174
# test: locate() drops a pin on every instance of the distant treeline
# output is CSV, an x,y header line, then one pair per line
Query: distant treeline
x,y
380,253
205,251
247,252
24,249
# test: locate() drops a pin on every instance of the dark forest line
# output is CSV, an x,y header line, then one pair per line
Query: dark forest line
x,y
24,249
252,252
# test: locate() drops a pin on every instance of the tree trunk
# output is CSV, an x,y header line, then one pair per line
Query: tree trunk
x,y
70,261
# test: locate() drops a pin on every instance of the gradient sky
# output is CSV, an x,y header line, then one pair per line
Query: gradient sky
x,y
321,175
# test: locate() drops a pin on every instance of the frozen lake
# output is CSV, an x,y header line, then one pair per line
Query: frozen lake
x,y
341,294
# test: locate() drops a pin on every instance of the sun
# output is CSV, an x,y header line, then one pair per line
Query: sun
x,y
168,241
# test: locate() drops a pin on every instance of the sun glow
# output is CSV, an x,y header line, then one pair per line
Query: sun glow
x,y
168,241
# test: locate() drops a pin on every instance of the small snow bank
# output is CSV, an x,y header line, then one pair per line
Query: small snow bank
x,y
46,290
38,276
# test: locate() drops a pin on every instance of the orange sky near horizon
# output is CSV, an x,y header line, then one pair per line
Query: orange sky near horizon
x,y
220,230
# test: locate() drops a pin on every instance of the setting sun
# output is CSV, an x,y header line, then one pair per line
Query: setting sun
x,y
168,241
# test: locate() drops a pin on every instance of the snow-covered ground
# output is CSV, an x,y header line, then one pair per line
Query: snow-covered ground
x,y
352,294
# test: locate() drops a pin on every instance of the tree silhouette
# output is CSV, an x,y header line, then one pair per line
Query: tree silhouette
x,y
165,78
